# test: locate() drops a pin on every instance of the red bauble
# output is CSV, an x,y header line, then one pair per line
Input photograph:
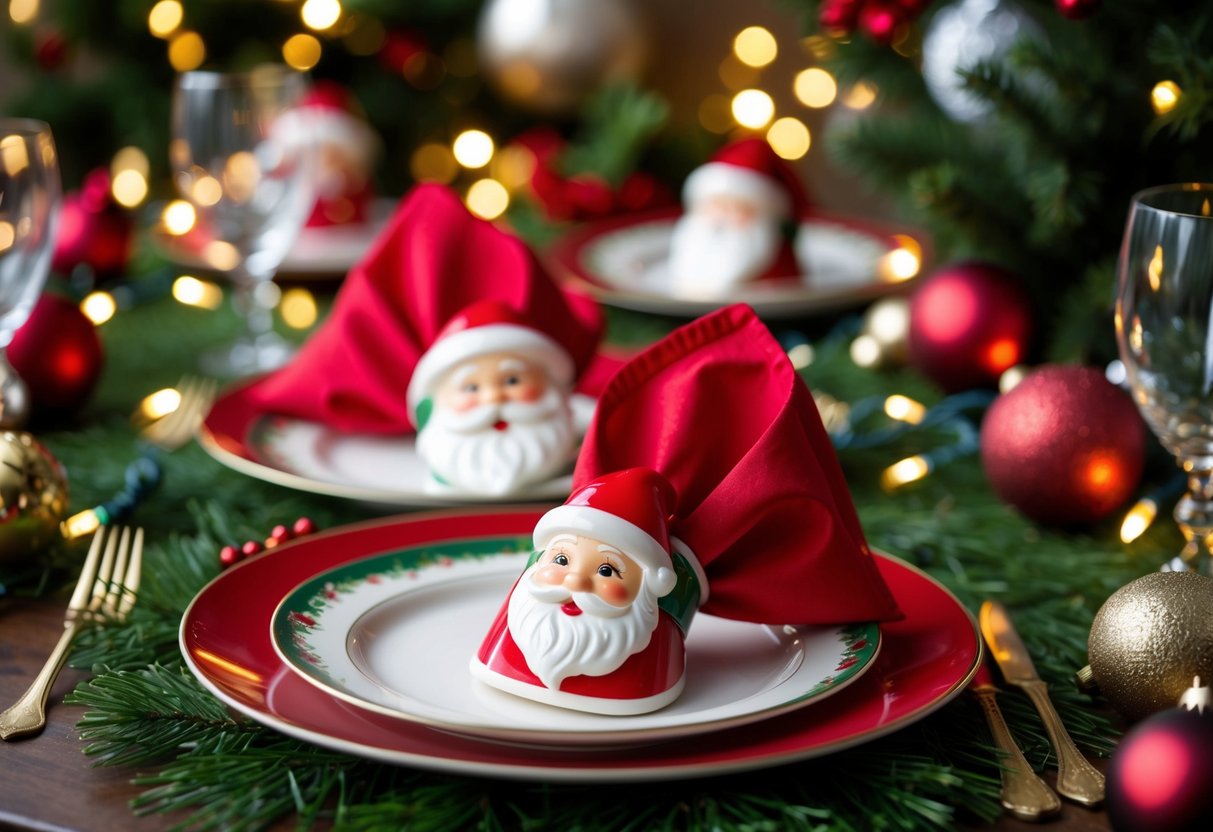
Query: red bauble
x,y
1066,447
1076,9
50,49
880,20
1160,779
93,230
58,355
839,15
969,322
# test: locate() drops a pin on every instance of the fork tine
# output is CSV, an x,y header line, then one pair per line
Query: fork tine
x,y
88,572
113,587
134,572
104,572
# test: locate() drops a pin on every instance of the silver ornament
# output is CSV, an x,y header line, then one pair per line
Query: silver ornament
x,y
548,55
957,38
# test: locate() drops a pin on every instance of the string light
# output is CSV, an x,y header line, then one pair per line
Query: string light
x,y
487,199
301,52
129,188
165,17
223,256
98,307
815,88
736,75
753,108
904,409
23,11
178,217
1165,96
899,264
911,469
1139,518
81,524
158,405
473,149
186,51
789,138
860,97
8,236
1011,377
801,356
755,46
715,114
866,351
191,291
433,162
298,308
320,14
514,166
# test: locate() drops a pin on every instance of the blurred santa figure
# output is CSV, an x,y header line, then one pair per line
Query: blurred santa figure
x,y
585,614
490,399
741,213
329,120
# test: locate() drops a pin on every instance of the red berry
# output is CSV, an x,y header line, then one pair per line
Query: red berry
x,y
229,555
250,548
304,525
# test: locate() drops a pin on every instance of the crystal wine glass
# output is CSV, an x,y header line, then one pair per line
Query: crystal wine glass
x,y
1164,328
29,219
251,191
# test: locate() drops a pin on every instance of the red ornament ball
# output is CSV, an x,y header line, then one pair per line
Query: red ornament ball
x,y
50,49
969,322
229,556
304,525
1066,447
1076,9
881,20
58,355
1160,778
93,230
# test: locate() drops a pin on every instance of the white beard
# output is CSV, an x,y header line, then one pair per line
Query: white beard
x,y
466,451
708,257
557,645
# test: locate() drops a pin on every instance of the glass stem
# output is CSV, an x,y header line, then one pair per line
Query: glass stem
x,y
1194,514
258,318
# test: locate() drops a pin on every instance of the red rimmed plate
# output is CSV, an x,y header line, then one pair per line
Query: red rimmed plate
x,y
622,262
926,660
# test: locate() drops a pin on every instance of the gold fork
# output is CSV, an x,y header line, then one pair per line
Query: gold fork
x,y
105,591
174,429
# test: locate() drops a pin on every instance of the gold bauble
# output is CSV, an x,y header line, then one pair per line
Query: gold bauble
x,y
1150,638
33,496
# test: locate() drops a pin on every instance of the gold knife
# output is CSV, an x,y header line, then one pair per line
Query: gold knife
x,y
1077,779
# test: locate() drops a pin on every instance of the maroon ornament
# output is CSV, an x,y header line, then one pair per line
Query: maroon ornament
x,y
229,556
50,49
840,15
58,355
881,20
969,323
1076,9
1160,779
250,548
93,230
1065,446
304,525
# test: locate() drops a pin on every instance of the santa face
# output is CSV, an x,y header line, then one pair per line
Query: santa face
x,y
581,610
498,423
721,242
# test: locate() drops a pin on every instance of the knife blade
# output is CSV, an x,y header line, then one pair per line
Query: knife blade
x,y
1077,779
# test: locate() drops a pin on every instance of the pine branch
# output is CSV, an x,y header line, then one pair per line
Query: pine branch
x,y
618,122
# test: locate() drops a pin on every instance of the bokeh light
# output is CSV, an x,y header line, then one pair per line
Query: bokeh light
x,y
298,308
473,148
753,108
814,87
716,114
129,188
488,199
1165,96
191,291
165,17
755,46
789,138
433,162
861,96
301,52
178,217
22,11
320,14
186,51
98,307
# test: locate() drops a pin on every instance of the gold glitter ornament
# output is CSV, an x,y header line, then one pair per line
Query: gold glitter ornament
x,y
1149,639
33,497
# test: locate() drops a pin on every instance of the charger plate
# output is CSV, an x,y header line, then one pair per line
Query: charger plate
x,y
394,633
622,262
926,659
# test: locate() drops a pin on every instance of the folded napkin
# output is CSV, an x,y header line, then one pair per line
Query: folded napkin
x,y
717,408
432,261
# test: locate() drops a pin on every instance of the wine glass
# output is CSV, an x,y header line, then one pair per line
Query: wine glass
x,y
251,189
29,220
1164,329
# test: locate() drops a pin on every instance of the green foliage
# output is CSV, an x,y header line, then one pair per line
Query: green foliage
x,y
617,124
1041,183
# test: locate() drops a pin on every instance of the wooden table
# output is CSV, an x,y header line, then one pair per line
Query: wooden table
x,y
47,783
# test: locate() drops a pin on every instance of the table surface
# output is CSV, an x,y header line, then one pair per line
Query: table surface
x,y
49,784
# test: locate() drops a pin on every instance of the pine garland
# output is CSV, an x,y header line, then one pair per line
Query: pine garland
x,y
208,768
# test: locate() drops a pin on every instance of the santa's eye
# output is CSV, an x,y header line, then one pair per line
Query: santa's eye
x,y
607,571
561,560
513,381
470,388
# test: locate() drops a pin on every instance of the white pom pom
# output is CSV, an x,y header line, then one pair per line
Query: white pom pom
x,y
663,580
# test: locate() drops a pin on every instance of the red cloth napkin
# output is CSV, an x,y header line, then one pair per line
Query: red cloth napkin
x,y
431,261
718,409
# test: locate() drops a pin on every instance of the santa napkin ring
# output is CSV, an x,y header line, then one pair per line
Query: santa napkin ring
x,y
706,482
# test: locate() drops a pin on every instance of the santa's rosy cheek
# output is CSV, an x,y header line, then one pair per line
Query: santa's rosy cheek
x,y
613,592
463,402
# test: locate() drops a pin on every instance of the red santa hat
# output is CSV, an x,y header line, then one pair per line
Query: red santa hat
x,y
751,170
327,114
630,509
484,328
